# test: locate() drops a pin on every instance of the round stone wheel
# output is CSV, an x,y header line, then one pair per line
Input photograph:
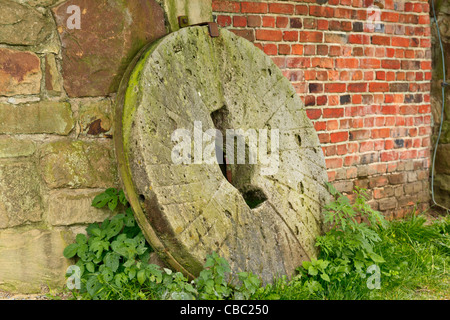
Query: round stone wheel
x,y
260,217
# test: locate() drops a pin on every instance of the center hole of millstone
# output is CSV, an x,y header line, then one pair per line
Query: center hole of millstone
x,y
237,173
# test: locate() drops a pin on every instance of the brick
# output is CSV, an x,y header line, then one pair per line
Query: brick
x,y
335,87
357,87
333,112
225,6
359,135
246,34
338,136
388,203
239,21
347,63
340,38
379,181
295,23
370,63
386,156
398,178
269,35
290,35
322,62
311,36
321,11
380,133
253,7
284,49
301,9
270,49
268,22
314,114
333,163
390,64
351,160
254,21
378,86
224,21
282,22
298,62
281,8
400,42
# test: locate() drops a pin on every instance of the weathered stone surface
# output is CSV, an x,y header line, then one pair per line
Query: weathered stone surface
x,y
198,11
31,259
20,72
443,159
95,118
78,164
111,33
263,222
39,3
68,207
23,25
20,197
12,147
38,117
53,79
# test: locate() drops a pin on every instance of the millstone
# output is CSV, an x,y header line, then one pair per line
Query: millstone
x,y
259,219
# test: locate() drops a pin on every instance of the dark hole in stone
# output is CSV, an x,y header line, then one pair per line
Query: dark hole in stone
x,y
141,198
254,197
299,139
239,175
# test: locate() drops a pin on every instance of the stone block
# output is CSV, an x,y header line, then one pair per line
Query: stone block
x,y
95,118
31,259
53,79
78,164
38,117
20,72
111,33
20,196
69,207
24,25
11,147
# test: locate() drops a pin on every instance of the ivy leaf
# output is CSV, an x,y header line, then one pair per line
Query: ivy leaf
x,y
70,250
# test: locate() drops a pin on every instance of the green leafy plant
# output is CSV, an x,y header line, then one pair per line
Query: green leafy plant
x,y
350,242
113,260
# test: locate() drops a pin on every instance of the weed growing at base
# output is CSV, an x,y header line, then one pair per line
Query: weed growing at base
x,y
408,258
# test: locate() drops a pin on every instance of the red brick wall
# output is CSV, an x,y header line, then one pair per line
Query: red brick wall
x,y
367,91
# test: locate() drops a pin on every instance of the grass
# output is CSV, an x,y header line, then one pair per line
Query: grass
x,y
416,267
